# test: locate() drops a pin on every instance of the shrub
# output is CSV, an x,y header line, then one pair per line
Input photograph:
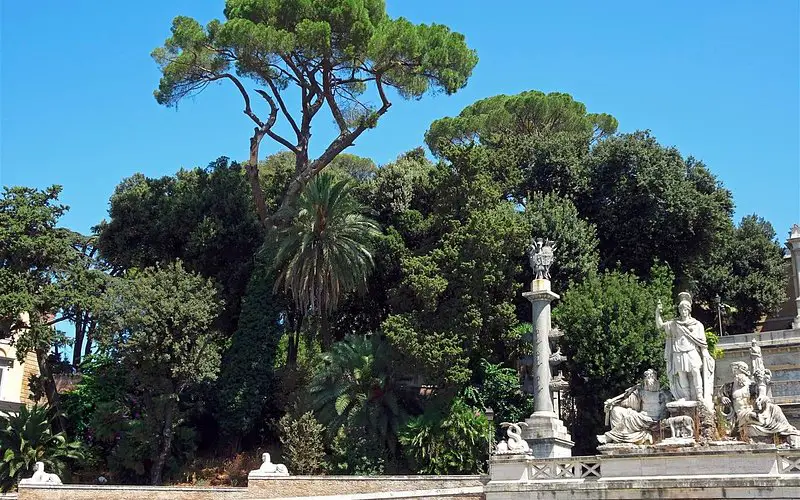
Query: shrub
x,y
303,448
27,438
453,441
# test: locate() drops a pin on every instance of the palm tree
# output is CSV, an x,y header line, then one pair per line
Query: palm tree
x,y
326,252
354,386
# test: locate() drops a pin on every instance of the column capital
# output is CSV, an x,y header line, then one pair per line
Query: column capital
x,y
541,295
794,237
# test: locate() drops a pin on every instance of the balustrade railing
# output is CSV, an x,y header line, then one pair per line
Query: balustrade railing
x,y
789,463
564,469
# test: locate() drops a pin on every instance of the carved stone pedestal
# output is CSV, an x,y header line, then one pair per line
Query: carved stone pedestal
x,y
547,436
681,424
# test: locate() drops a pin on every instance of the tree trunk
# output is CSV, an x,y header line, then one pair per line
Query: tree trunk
x,y
89,338
252,174
50,391
80,333
166,444
294,341
325,327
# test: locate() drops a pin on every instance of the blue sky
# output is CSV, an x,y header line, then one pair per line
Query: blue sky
x,y
720,80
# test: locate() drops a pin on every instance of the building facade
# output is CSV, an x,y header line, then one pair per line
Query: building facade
x,y
14,377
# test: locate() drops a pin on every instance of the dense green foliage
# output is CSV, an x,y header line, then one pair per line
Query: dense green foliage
x,y
448,440
457,273
41,277
202,216
648,202
247,378
326,251
355,389
498,387
302,444
746,268
610,339
332,52
158,328
27,438
530,113
231,307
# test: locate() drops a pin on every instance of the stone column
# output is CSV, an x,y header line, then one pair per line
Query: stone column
x,y
545,432
794,247
540,297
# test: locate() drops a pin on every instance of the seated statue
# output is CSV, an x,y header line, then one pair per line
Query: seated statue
x,y
633,415
751,410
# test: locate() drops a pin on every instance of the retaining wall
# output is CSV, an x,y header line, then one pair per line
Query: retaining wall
x,y
320,487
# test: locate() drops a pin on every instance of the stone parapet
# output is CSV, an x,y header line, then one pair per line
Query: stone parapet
x,y
726,471
92,492
302,486
697,487
324,487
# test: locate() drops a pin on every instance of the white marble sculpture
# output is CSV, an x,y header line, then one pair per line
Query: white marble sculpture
x,y
681,427
40,476
751,410
515,443
633,415
756,359
269,469
690,367
541,257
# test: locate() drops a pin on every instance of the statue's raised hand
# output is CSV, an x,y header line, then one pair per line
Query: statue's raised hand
x,y
659,307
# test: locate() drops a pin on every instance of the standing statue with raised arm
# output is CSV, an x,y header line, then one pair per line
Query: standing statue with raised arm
x,y
690,367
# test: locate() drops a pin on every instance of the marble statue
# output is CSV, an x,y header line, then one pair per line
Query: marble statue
x,y
751,410
40,476
756,359
540,255
269,469
681,426
634,414
515,443
690,367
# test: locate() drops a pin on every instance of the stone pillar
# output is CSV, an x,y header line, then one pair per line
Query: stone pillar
x,y
540,297
793,243
545,432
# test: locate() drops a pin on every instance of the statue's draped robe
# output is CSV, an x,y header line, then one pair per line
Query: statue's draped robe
x,y
628,425
767,422
686,348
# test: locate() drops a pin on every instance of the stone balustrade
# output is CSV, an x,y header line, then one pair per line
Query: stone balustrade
x,y
578,468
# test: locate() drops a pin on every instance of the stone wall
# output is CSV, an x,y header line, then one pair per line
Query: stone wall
x,y
331,487
781,352
301,486
662,488
83,492
733,471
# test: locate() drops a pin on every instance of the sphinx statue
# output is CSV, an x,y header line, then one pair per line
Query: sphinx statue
x,y
40,476
268,468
